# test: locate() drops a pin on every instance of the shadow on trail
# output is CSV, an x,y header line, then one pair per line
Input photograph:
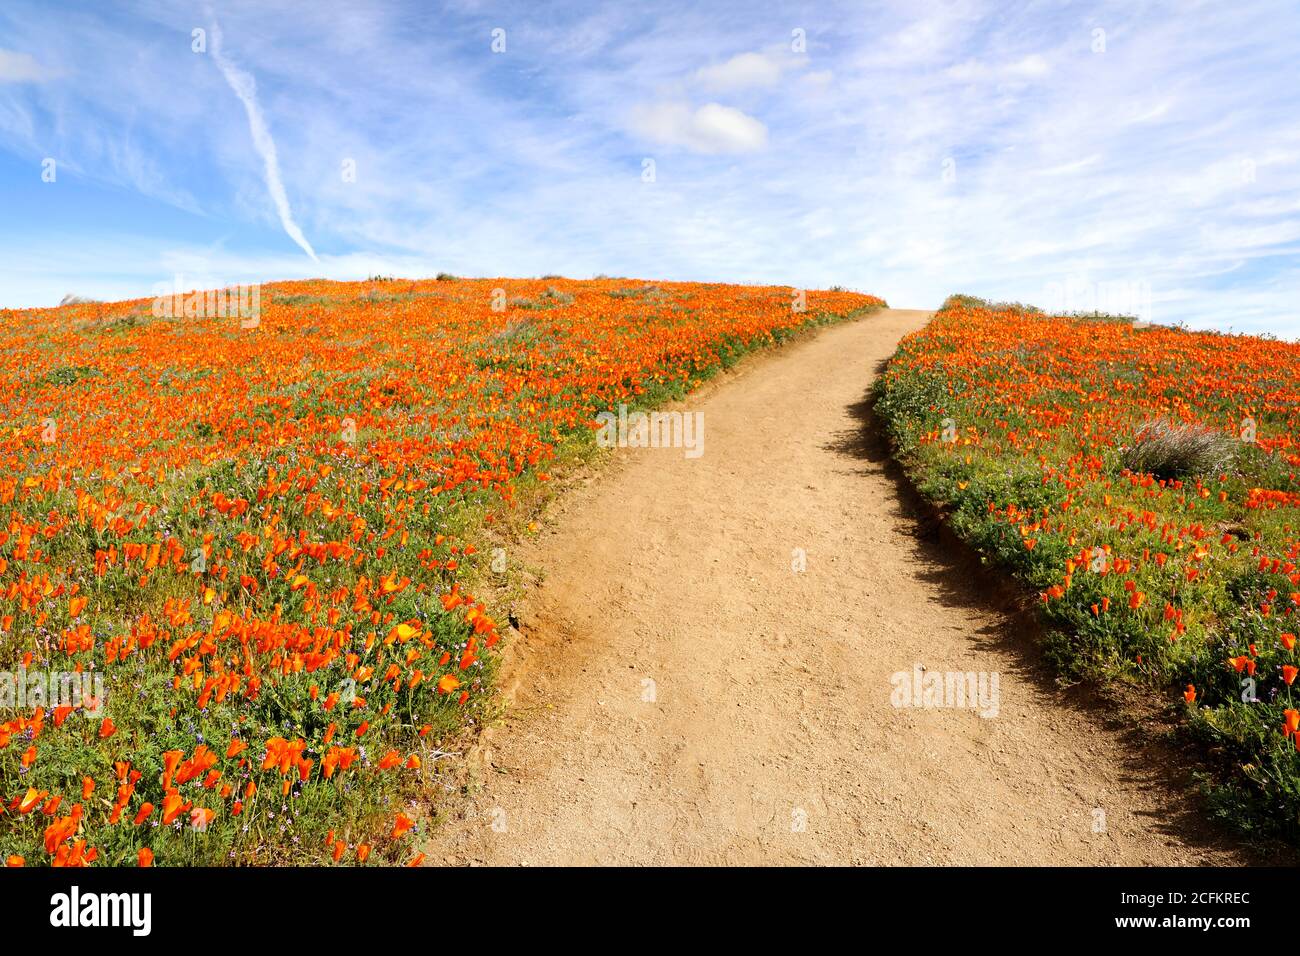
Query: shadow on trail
x,y
957,578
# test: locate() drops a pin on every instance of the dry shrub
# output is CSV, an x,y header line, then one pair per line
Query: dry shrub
x,y
1168,450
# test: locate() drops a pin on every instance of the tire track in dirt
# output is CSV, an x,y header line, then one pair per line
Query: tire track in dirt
x,y
681,695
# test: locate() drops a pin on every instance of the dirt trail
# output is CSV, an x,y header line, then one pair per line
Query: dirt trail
x,y
681,695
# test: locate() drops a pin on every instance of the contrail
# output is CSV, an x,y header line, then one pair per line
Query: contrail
x,y
246,89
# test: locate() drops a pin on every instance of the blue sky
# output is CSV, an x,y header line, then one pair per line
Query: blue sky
x,y
1137,156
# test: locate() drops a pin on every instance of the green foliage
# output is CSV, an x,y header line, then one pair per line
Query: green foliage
x,y
1092,463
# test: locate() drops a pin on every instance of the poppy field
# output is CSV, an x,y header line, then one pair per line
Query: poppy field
x,y
1142,481
240,557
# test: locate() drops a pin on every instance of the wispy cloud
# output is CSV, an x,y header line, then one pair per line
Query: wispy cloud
x,y
713,128
972,145
21,68
245,88
746,71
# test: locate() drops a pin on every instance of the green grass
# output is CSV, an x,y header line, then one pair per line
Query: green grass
x,y
1098,464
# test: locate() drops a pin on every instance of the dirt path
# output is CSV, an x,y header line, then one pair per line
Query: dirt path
x,y
682,695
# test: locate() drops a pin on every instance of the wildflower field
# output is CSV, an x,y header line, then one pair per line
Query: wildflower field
x,y
248,547
1142,481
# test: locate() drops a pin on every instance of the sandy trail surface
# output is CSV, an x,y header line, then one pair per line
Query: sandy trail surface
x,y
681,694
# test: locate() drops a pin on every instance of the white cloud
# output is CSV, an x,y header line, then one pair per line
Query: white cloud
x,y
21,68
743,71
1074,167
711,129
1031,67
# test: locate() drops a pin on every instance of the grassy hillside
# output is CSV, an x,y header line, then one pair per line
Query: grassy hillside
x,y
255,536
1143,482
